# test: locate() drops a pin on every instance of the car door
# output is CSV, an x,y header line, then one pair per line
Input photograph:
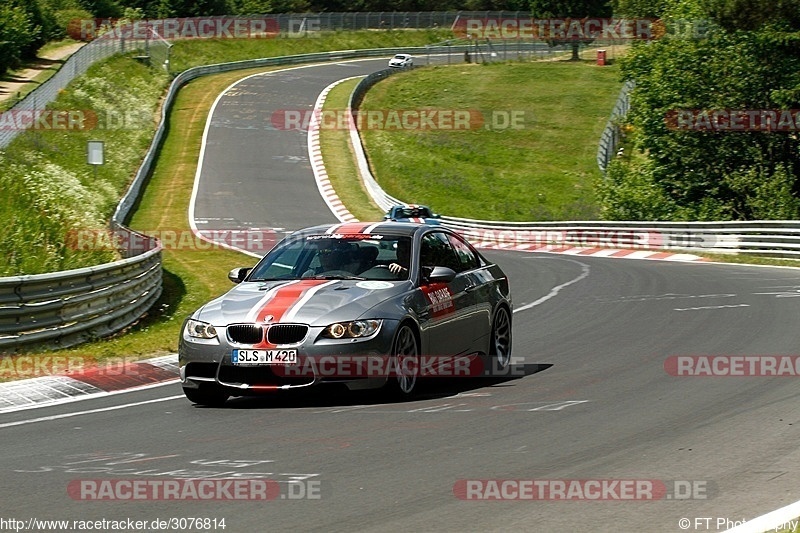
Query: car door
x,y
449,307
481,284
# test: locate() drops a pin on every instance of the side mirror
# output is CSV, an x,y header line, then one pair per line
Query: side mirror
x,y
238,274
439,274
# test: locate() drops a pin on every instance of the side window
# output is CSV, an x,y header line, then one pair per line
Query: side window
x,y
468,258
436,250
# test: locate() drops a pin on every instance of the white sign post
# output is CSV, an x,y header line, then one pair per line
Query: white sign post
x,y
94,154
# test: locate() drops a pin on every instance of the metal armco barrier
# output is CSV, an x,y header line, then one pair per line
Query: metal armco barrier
x,y
776,238
62,309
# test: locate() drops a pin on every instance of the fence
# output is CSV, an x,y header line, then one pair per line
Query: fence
x,y
612,134
76,65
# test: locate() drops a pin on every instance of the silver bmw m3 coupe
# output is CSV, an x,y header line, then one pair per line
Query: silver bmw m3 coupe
x,y
367,305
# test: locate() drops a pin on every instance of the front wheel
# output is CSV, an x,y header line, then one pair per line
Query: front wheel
x,y
405,364
208,396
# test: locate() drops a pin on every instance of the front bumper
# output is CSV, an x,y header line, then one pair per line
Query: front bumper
x,y
351,362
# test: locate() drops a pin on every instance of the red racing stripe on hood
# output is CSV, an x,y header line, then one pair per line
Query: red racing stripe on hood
x,y
282,300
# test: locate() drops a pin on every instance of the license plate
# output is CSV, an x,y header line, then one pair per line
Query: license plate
x,y
263,357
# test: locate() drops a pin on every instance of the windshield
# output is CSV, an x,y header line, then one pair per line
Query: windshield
x,y
414,212
369,257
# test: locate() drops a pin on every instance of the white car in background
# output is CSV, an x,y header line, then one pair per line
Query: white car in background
x,y
401,61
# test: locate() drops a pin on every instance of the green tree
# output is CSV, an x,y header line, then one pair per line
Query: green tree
x,y
574,9
753,14
15,35
191,8
249,7
639,8
706,174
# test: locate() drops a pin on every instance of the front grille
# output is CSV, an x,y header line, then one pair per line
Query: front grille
x,y
286,333
245,333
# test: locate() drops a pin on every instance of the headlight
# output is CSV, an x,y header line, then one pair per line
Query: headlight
x,y
352,330
200,330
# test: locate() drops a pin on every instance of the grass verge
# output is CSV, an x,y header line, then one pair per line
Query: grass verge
x,y
191,277
527,151
50,191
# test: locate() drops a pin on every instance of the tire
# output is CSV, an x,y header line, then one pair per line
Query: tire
x,y
207,396
404,381
500,347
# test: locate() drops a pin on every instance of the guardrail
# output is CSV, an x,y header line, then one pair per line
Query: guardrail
x,y
779,238
62,309
776,238
65,308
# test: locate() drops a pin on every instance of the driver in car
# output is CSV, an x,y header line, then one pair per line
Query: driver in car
x,y
401,264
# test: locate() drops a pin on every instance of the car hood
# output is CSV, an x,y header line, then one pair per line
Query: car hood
x,y
306,301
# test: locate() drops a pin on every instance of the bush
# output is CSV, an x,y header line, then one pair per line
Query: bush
x,y
629,191
71,22
705,173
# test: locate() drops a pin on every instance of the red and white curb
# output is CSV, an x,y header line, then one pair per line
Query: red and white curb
x,y
100,380
585,251
315,155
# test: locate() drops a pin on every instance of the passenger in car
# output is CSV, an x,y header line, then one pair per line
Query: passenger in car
x,y
366,258
336,258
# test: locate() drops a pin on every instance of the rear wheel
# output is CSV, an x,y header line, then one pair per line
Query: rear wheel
x,y
500,349
210,396
403,382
